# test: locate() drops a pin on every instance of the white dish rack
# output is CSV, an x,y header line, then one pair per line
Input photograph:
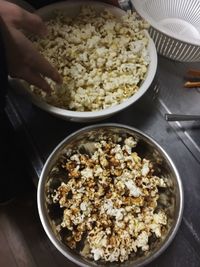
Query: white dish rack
x,y
174,26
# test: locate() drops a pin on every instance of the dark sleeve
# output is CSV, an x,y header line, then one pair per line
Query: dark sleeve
x,y
3,75
40,3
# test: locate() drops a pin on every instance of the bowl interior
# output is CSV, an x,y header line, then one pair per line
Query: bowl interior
x,y
176,18
72,8
50,216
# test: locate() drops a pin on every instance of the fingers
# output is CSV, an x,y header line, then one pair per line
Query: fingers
x,y
34,60
36,79
18,17
23,60
32,23
40,64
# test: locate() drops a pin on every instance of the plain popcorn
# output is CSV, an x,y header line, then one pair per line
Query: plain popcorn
x,y
102,59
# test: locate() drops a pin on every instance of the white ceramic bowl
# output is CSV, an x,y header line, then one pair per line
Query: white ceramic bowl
x,y
175,27
71,8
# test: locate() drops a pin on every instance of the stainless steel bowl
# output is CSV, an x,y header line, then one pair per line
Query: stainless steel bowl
x,y
148,147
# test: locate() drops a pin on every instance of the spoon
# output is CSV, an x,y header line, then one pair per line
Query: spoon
x,y
179,117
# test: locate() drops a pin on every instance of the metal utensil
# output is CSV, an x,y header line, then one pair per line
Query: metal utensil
x,y
180,117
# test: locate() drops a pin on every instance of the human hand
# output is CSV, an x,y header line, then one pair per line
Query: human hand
x,y
23,60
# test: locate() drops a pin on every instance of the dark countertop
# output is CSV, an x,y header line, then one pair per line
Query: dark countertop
x,y
40,132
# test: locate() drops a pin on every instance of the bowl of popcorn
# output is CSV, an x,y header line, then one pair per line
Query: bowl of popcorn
x,y
104,54
109,195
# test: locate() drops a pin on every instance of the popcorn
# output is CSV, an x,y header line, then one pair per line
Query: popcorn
x,y
102,58
145,168
113,204
142,241
133,189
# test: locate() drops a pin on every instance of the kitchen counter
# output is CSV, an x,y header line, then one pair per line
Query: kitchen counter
x,y
39,133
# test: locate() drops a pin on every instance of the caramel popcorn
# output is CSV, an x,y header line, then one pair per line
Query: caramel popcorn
x,y
103,59
112,207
